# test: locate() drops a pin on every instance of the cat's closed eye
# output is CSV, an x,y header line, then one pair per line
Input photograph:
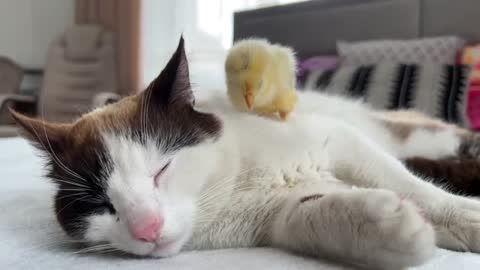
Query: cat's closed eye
x,y
109,207
159,174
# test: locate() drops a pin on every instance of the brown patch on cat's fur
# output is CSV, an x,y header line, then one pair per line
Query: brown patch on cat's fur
x,y
469,146
311,198
404,122
460,176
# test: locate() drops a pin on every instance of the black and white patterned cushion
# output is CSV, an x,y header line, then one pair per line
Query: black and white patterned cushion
x,y
437,90
442,50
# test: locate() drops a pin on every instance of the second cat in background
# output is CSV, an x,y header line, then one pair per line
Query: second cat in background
x,y
261,78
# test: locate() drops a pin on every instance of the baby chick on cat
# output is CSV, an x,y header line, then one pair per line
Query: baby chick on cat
x,y
261,77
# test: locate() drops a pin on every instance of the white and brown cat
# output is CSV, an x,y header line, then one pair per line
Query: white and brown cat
x,y
155,173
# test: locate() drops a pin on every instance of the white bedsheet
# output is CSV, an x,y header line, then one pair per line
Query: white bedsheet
x,y
31,239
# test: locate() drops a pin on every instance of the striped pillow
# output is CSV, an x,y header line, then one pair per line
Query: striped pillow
x,y
440,50
437,90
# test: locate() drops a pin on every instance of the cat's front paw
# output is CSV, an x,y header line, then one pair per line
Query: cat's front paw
x,y
373,229
393,234
458,228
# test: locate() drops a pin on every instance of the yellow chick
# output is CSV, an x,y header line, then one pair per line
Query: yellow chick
x,y
261,77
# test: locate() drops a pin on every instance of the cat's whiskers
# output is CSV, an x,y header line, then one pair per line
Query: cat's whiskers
x,y
221,184
95,248
52,153
237,185
212,195
209,196
71,195
71,203
207,217
65,181
91,198
54,157
212,192
72,189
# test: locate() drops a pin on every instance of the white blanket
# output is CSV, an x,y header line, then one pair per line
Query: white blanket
x,y
31,239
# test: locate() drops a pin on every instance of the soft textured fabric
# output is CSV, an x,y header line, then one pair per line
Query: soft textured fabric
x,y
31,238
441,50
435,89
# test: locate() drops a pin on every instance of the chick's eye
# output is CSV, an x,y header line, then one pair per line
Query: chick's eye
x,y
160,172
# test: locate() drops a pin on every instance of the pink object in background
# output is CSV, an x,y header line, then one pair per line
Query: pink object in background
x,y
473,107
475,76
325,62
471,56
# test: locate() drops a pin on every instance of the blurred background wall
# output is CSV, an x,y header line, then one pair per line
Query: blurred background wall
x,y
28,26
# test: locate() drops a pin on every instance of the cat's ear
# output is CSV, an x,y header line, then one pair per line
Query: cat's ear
x,y
45,136
172,86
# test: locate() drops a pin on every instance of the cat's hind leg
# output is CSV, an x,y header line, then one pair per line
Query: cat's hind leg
x,y
445,153
419,135
373,229
361,162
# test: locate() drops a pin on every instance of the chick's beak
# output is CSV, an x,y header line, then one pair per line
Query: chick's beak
x,y
249,100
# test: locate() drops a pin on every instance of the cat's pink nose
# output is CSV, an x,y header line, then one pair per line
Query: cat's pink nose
x,y
147,229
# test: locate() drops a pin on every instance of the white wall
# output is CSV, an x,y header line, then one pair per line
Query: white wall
x,y
28,26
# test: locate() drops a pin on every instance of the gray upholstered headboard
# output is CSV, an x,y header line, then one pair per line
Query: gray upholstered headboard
x,y
314,27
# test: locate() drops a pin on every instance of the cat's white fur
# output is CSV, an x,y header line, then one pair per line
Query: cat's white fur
x,y
245,189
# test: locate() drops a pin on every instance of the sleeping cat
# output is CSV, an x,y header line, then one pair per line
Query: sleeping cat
x,y
155,173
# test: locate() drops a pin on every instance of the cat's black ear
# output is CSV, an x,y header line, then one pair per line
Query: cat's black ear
x,y
172,86
48,137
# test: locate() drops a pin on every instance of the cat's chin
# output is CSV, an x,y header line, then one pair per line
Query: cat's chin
x,y
167,249
156,250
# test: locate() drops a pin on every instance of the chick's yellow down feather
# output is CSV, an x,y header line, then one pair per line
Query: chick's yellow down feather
x,y
261,77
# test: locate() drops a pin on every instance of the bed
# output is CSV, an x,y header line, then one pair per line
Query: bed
x,y
30,237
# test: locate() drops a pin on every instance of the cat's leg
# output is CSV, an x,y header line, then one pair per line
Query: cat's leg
x,y
445,153
422,136
361,162
373,228
366,227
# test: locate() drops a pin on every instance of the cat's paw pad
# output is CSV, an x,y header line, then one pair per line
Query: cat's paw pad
x,y
394,231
